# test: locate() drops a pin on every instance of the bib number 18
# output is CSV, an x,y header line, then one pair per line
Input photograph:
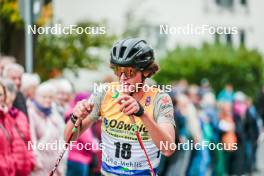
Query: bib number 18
x,y
125,151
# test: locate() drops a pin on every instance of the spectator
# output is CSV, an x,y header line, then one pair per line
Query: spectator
x,y
226,94
193,94
46,127
260,104
14,72
208,106
205,87
228,137
252,131
5,60
23,157
239,156
64,94
193,123
181,86
211,131
7,164
29,84
200,159
194,126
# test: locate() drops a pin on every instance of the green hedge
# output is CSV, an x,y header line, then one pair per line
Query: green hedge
x,y
219,64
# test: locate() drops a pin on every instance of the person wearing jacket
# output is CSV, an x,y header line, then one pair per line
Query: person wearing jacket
x,y
252,130
22,155
7,164
46,126
239,155
14,72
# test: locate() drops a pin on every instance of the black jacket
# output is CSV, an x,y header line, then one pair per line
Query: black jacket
x,y
20,103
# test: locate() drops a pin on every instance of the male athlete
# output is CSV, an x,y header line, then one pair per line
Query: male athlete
x,y
132,61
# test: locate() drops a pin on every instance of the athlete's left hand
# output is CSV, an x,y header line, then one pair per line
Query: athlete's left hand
x,y
128,104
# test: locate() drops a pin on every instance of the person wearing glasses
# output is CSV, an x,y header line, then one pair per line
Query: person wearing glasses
x,y
132,61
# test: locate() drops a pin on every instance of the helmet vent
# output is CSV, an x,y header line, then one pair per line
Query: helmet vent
x,y
132,52
114,51
122,51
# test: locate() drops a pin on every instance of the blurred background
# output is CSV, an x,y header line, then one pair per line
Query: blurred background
x,y
217,79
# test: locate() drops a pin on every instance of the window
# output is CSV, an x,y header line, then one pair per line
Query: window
x,y
218,1
242,37
225,3
243,2
229,39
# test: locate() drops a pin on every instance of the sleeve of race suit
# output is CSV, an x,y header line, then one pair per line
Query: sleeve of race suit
x,y
163,109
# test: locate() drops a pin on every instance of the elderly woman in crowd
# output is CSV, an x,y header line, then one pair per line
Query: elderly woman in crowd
x,y
22,156
5,60
29,85
64,94
7,164
14,72
46,129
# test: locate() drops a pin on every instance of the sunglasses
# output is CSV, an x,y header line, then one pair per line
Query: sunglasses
x,y
128,71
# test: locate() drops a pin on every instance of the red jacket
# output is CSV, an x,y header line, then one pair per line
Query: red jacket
x,y
7,164
21,148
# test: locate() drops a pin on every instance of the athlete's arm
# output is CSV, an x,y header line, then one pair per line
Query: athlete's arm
x,y
163,134
86,123
161,128
87,111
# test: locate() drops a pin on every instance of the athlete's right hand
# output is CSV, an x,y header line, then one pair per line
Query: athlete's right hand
x,y
82,109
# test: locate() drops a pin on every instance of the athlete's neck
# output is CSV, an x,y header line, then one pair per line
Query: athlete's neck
x,y
138,94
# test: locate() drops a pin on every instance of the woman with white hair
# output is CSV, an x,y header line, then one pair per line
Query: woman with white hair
x,y
46,129
64,94
14,72
29,84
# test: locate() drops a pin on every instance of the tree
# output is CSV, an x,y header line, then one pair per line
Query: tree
x,y
12,27
220,64
56,52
